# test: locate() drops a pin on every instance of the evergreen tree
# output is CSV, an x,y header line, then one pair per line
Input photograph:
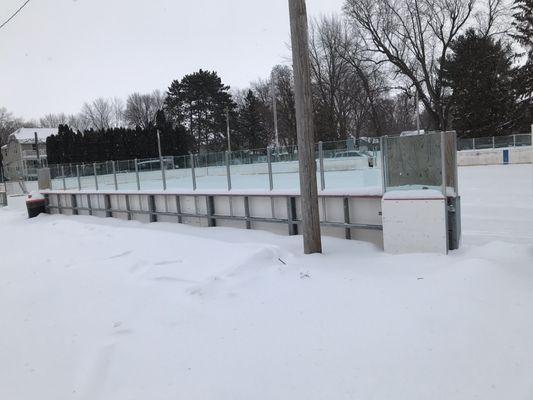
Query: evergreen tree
x,y
199,103
480,74
523,25
252,132
523,33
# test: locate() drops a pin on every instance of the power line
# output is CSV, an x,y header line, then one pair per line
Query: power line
x,y
14,14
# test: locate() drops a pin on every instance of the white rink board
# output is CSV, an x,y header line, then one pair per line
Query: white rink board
x,y
415,226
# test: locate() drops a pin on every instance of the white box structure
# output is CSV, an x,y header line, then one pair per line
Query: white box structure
x,y
415,221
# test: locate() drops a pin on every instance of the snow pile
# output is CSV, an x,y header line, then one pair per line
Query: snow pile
x,y
107,309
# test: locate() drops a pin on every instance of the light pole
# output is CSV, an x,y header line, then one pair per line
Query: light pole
x,y
275,106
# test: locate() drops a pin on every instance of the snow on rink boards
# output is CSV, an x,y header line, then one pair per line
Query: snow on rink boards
x,y
108,309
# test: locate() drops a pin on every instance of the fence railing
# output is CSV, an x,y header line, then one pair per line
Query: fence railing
x,y
494,142
270,168
343,164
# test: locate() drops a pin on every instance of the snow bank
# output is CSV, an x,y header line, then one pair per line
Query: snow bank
x,y
108,309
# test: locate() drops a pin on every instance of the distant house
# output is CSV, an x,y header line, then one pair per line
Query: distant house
x,y
20,157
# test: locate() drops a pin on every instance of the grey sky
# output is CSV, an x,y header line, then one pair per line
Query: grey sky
x,y
59,53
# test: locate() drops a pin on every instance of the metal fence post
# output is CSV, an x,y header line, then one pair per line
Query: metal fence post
x,y
228,169
321,165
137,175
493,143
64,179
514,140
347,231
163,174
474,143
270,177
115,175
95,176
382,145
443,162
193,173
78,175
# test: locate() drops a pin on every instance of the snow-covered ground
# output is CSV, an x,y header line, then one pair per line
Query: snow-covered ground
x,y
108,309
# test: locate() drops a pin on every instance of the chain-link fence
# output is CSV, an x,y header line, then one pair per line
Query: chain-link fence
x,y
494,142
345,164
270,168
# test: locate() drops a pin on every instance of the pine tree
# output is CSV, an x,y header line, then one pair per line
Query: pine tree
x,y
252,132
523,25
480,74
199,102
523,33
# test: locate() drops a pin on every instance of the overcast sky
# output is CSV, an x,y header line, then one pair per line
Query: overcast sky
x,y
56,54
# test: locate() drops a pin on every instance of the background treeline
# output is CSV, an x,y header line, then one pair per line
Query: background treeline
x,y
469,64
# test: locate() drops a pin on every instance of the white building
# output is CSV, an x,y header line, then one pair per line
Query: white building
x,y
22,156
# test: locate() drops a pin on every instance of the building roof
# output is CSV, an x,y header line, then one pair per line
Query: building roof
x,y
26,135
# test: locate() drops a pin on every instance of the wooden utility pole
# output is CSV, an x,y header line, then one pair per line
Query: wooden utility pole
x,y
304,125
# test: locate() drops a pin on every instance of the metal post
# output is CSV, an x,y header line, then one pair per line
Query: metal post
x,y
128,206
321,164
152,208
228,129
382,144
193,173
348,231
417,112
161,162
228,169
95,176
270,177
443,161
115,174
210,206
455,176
474,143
178,209
247,212
74,204
493,145
304,124
78,175
275,107
514,140
137,175
64,179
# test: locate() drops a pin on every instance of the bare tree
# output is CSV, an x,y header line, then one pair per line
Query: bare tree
x,y
118,111
98,114
141,109
493,17
8,124
347,85
414,36
330,74
285,105
53,120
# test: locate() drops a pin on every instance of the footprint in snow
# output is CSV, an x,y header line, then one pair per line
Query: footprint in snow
x,y
161,263
121,255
